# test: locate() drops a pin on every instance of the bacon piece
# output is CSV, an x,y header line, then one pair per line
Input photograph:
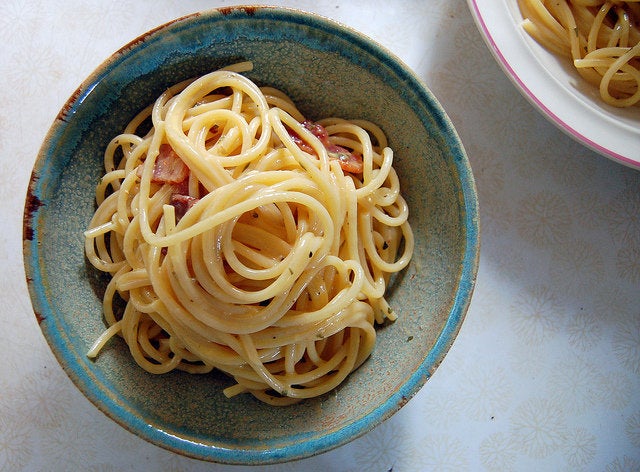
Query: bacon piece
x,y
301,144
168,167
182,204
349,161
317,130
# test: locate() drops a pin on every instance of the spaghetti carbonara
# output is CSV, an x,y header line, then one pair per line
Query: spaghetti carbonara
x,y
241,237
602,38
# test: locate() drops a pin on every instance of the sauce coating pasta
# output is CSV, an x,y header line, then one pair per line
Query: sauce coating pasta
x,y
240,236
602,38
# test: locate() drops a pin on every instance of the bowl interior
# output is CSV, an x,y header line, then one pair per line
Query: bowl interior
x,y
328,70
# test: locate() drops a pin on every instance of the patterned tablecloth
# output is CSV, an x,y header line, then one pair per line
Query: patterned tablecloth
x,y
545,374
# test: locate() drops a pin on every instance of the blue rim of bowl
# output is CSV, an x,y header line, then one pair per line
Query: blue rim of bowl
x,y
98,394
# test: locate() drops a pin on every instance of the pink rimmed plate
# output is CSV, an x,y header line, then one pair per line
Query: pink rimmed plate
x,y
553,86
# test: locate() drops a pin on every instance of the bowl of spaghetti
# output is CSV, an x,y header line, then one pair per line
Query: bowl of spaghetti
x,y
577,61
251,235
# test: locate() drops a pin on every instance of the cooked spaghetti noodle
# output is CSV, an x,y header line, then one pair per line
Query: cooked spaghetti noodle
x,y
602,38
241,237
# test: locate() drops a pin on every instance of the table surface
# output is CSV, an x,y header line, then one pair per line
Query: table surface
x,y
545,372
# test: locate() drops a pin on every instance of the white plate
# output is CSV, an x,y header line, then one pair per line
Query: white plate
x,y
554,87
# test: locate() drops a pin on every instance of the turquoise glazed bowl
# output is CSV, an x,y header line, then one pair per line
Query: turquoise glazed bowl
x,y
329,70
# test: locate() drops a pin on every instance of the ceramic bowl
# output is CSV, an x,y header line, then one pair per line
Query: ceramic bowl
x,y
329,70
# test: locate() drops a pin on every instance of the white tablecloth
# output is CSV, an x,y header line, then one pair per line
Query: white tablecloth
x,y
545,373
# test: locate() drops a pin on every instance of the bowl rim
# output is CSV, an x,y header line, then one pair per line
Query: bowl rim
x,y
90,386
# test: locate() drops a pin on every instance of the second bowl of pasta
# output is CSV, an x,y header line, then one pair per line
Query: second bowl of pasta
x,y
577,62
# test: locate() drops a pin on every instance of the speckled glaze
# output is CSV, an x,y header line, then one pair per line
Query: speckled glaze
x,y
329,70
